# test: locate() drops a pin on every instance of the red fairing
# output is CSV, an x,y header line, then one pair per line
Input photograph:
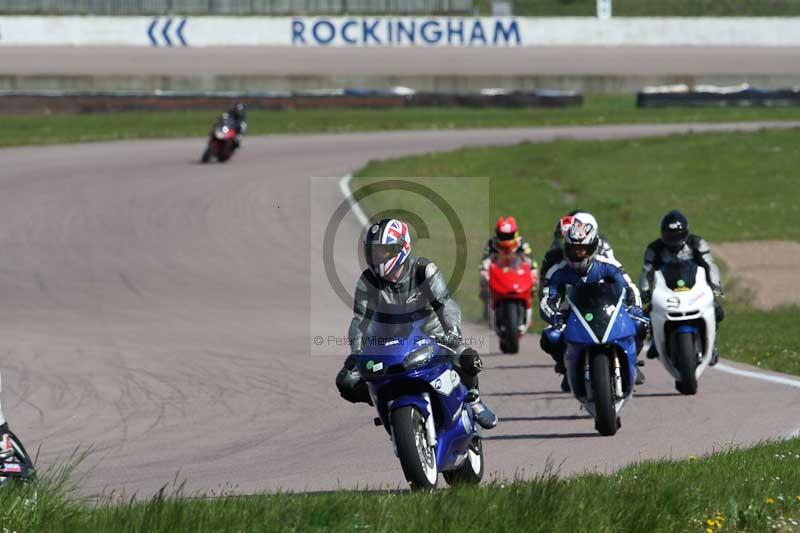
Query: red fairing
x,y
511,280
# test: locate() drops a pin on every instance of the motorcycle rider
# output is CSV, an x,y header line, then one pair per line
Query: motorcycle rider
x,y
582,264
555,254
676,243
507,240
238,114
399,287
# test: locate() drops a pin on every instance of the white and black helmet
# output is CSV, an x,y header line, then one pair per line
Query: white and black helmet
x,y
581,242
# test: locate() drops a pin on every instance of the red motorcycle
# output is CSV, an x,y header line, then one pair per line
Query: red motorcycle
x,y
511,283
222,142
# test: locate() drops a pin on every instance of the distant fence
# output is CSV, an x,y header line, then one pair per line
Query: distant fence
x,y
234,7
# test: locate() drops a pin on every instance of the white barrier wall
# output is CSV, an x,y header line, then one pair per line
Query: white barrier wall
x,y
396,31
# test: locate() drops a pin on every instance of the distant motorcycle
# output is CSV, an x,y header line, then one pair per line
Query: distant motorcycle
x,y
420,401
20,466
510,285
683,324
601,352
222,142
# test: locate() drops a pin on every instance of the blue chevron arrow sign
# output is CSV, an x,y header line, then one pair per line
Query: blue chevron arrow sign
x,y
168,35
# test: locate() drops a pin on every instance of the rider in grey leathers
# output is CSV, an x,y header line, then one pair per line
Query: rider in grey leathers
x,y
401,288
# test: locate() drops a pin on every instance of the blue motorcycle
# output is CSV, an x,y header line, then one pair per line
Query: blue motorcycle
x,y
601,352
420,401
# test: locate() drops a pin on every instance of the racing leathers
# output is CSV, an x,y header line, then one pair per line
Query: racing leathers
x,y
553,308
420,293
491,250
695,249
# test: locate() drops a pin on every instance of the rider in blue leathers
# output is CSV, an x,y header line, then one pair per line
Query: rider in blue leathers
x,y
582,265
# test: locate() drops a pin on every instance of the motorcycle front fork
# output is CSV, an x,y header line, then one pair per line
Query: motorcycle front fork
x,y
618,393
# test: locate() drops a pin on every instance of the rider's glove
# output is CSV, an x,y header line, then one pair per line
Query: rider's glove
x,y
451,340
636,312
352,360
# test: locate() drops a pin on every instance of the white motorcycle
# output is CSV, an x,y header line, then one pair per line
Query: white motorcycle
x,y
683,324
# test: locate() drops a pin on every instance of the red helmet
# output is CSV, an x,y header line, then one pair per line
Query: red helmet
x,y
507,233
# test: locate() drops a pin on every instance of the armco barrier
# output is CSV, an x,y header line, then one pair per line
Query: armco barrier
x,y
396,31
703,96
89,102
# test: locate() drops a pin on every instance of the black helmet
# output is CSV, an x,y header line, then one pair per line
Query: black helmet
x,y
674,229
238,109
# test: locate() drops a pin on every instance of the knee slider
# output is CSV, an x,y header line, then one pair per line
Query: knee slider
x,y
471,362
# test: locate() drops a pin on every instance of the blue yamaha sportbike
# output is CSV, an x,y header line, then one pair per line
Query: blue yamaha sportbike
x,y
601,352
420,402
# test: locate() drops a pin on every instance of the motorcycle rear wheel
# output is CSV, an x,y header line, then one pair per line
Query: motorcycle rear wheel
x,y
416,457
471,470
511,313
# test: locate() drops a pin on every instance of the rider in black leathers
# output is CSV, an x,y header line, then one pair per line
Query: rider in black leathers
x,y
677,243
398,286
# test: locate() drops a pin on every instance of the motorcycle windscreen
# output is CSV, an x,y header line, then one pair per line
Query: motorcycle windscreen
x,y
595,306
392,339
680,275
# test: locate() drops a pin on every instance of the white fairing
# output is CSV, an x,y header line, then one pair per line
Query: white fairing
x,y
683,306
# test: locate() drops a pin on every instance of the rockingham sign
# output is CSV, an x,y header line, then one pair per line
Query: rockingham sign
x,y
497,32
409,31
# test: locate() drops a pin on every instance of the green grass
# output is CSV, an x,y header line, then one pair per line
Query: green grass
x,y
653,496
731,186
768,339
653,8
66,128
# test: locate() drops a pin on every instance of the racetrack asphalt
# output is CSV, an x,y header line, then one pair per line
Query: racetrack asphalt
x,y
366,61
162,312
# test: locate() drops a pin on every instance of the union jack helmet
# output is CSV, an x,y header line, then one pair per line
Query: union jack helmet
x,y
387,245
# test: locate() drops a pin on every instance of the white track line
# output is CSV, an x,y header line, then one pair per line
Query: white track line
x,y
344,186
758,375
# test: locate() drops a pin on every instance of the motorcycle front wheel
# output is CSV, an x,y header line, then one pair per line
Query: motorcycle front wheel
x,y
417,458
685,360
606,421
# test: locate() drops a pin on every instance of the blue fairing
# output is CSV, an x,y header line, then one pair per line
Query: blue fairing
x,y
598,317
392,386
687,328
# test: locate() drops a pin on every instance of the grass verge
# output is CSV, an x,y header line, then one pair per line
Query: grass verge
x,y
736,490
68,128
731,186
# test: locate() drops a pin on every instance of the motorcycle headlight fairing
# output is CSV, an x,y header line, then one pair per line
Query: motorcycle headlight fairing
x,y
418,357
